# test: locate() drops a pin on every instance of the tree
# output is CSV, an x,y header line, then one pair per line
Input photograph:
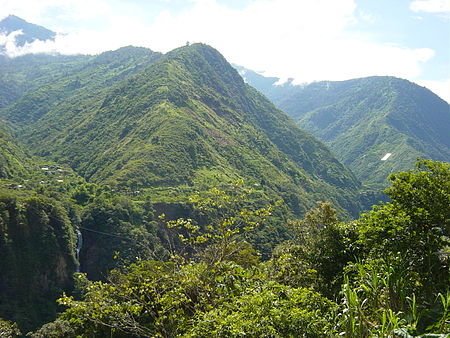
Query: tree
x,y
8,329
401,278
414,229
228,219
116,232
317,255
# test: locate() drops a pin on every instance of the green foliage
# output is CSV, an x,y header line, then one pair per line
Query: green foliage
x,y
363,119
288,266
85,193
229,221
270,311
403,276
425,194
154,298
391,265
55,329
317,255
116,232
387,289
8,329
196,299
414,228
186,297
370,306
12,159
184,123
37,257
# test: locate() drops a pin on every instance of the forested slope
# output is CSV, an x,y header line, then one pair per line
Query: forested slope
x,y
184,122
363,119
12,158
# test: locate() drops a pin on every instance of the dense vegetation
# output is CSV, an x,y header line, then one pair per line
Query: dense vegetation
x,y
363,119
385,274
166,126
38,236
37,257
12,158
178,211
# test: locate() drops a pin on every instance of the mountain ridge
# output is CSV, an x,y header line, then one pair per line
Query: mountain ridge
x,y
363,119
176,124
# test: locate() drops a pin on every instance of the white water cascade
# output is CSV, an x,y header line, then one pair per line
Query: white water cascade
x,y
78,247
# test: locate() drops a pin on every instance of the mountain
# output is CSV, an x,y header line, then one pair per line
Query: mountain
x,y
28,32
36,236
184,122
364,119
59,76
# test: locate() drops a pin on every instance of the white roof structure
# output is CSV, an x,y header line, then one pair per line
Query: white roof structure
x,y
385,157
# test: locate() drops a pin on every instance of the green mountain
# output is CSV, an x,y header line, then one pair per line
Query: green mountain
x,y
52,79
29,32
184,123
364,119
147,131
21,74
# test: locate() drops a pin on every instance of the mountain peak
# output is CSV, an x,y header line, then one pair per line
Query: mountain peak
x,y
12,19
182,123
30,32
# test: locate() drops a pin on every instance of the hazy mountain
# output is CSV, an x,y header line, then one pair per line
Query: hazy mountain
x,y
364,119
273,87
185,122
28,32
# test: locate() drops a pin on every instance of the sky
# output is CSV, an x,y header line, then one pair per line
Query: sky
x,y
308,40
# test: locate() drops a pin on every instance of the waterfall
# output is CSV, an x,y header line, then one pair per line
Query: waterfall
x,y
78,247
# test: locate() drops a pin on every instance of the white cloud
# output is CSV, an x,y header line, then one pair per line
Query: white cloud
x,y
430,6
50,13
65,44
304,39
82,42
308,40
8,43
441,88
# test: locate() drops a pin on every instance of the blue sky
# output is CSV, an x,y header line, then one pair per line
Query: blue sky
x,y
309,40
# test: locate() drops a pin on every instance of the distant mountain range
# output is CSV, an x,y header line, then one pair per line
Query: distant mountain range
x,y
362,120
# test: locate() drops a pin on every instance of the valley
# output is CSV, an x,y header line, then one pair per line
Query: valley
x,y
161,194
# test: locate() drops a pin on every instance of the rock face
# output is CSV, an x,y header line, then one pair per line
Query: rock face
x,y
37,258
